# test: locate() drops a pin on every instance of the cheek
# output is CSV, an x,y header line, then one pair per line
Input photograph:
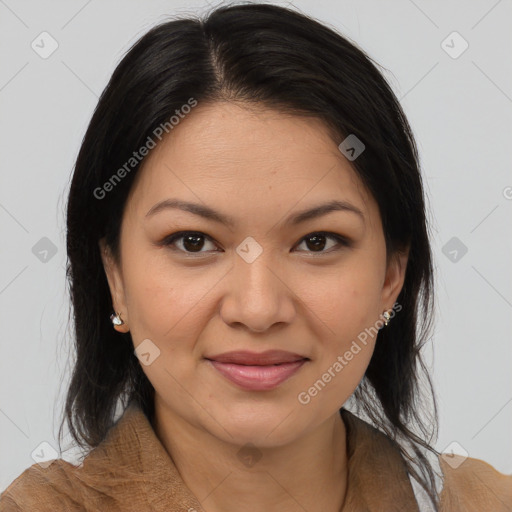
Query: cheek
x,y
164,303
346,299
347,303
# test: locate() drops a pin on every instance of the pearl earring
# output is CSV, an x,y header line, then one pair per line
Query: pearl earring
x,y
387,317
116,319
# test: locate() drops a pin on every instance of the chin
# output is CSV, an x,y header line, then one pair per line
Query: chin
x,y
265,426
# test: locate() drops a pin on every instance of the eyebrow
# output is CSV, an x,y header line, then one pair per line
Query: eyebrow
x,y
209,213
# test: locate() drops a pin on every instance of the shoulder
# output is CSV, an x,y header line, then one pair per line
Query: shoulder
x,y
473,485
61,486
468,484
42,488
114,476
99,483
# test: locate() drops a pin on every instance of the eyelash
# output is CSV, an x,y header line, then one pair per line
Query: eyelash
x,y
169,241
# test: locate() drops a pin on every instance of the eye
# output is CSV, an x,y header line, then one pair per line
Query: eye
x,y
316,242
191,242
188,241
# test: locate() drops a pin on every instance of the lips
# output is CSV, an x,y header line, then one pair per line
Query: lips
x,y
247,358
257,371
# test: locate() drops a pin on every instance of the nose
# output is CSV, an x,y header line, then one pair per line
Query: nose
x,y
258,296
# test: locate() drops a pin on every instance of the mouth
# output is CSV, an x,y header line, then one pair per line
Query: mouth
x,y
257,372
244,357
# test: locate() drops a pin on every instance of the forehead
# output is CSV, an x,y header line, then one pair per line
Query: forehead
x,y
247,155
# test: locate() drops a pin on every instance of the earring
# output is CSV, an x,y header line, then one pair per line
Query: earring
x,y
116,319
387,317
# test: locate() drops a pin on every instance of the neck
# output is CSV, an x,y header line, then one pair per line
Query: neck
x,y
309,473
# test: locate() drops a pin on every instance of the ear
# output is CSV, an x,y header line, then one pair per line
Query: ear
x,y
395,277
115,283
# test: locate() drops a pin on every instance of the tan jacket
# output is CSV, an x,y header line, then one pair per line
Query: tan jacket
x,y
131,471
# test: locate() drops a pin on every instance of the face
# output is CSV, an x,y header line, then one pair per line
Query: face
x,y
254,277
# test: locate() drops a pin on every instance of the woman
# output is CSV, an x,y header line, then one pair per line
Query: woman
x,y
249,253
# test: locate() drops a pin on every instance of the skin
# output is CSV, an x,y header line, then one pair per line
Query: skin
x,y
258,166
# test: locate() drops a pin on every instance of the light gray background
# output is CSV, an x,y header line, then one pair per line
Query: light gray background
x,y
460,110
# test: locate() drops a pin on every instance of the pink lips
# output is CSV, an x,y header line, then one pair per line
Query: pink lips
x,y
257,372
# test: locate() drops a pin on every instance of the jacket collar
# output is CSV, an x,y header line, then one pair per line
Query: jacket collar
x,y
377,476
138,465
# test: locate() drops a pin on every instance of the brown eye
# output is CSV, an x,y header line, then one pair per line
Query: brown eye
x,y
192,242
188,241
317,242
